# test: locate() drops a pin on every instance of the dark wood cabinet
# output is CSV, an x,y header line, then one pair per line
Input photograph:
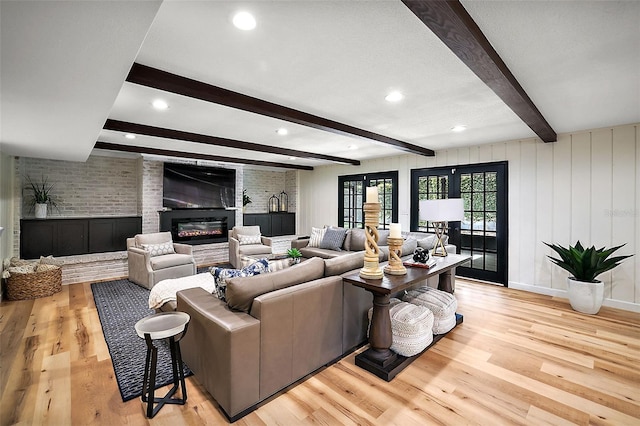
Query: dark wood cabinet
x,y
72,236
272,224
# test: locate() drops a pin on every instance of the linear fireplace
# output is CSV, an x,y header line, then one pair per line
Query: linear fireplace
x,y
198,226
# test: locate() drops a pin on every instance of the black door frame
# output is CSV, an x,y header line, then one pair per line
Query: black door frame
x,y
454,231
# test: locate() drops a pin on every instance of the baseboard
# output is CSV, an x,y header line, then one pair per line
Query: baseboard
x,y
611,303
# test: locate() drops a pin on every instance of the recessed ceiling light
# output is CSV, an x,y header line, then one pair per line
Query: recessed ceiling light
x,y
160,104
244,21
459,128
394,96
130,136
282,131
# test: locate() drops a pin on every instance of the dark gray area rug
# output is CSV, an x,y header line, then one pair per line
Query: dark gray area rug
x,y
120,305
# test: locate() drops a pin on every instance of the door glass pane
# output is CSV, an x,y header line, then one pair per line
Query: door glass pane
x,y
491,178
478,201
478,182
490,201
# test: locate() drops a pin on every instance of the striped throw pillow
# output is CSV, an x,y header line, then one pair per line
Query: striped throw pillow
x,y
317,234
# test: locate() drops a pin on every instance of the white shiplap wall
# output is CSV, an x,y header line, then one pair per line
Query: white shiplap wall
x,y
584,186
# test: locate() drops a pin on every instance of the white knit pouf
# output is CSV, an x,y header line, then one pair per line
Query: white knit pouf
x,y
411,327
442,304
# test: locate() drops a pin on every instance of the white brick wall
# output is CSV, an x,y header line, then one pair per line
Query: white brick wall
x,y
101,186
151,191
113,186
260,186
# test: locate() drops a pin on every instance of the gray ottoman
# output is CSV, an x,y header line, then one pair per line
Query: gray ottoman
x,y
442,304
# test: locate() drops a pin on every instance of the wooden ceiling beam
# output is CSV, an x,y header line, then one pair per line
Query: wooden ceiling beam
x,y
451,22
194,155
163,80
160,132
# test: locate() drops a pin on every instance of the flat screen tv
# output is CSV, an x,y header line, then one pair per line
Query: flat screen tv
x,y
197,187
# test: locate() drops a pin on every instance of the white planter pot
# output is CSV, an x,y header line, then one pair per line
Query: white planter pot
x,y
585,297
41,211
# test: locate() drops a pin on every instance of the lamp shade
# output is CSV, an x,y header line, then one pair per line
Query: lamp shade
x,y
444,210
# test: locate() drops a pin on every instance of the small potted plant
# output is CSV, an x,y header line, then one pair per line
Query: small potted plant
x,y
295,254
245,200
41,196
585,292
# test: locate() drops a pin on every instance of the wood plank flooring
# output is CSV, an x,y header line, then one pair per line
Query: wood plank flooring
x,y
518,358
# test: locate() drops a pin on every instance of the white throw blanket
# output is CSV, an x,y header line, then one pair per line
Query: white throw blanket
x,y
165,291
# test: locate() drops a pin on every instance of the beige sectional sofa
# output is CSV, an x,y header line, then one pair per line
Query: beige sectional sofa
x,y
355,242
274,329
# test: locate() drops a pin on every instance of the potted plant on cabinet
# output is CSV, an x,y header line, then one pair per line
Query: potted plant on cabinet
x,y
41,196
586,294
245,200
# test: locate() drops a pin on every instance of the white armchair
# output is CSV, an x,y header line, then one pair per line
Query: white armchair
x,y
155,257
246,241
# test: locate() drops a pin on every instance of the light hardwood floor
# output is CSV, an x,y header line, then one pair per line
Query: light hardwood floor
x,y
518,358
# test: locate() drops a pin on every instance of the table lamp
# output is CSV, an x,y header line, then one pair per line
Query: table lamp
x,y
439,212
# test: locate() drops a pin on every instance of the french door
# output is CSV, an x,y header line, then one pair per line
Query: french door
x,y
483,233
351,190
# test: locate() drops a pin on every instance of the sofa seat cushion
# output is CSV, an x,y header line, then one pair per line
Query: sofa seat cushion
x,y
254,249
170,260
241,291
310,252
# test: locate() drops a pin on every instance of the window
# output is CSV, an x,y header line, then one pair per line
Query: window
x,y
351,190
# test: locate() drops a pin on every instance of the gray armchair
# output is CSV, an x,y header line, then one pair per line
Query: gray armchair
x,y
239,247
155,257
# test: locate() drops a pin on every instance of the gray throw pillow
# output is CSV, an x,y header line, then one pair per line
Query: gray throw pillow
x,y
333,239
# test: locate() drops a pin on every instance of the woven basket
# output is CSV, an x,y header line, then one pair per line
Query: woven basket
x,y
34,284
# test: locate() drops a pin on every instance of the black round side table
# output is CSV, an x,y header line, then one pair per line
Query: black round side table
x,y
164,325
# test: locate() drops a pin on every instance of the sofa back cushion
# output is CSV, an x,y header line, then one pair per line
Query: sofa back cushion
x,y
430,241
383,234
241,291
343,263
245,230
153,238
358,238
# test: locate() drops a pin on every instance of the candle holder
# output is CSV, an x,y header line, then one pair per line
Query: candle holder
x,y
371,268
395,266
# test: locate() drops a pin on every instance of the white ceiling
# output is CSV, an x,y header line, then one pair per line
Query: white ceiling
x,y
64,66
